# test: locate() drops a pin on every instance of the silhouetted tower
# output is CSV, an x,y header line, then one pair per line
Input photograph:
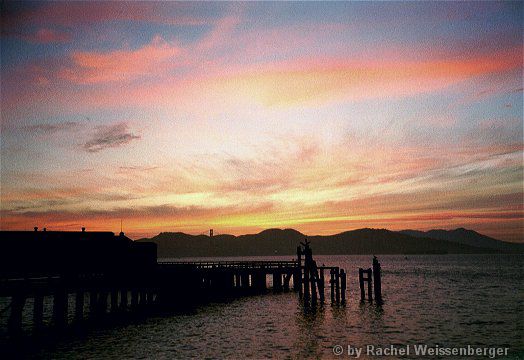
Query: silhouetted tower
x,y
211,233
121,228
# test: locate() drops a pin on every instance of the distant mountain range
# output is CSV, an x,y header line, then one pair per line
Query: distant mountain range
x,y
466,237
362,241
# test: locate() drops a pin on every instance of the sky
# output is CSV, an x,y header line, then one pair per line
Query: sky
x,y
319,116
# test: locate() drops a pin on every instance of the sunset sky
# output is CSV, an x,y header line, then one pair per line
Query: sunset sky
x,y
323,117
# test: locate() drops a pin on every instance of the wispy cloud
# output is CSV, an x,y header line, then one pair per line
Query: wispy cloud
x,y
495,89
136,168
42,36
122,65
49,128
74,14
110,136
46,36
318,80
166,216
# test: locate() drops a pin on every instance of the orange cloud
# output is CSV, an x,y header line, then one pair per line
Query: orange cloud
x,y
320,80
148,221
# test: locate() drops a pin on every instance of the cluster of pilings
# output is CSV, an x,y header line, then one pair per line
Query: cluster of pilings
x,y
100,301
170,285
312,280
226,280
373,279
179,283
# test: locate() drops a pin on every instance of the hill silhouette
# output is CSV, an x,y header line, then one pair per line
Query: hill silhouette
x,y
362,241
466,237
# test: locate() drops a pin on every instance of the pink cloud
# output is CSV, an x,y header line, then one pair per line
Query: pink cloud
x,y
219,34
294,82
45,36
122,65
72,14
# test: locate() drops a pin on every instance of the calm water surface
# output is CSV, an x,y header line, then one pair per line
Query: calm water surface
x,y
449,300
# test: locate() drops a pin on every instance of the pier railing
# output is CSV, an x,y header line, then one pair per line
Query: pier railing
x,y
231,264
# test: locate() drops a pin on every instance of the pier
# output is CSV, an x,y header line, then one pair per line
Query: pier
x,y
102,274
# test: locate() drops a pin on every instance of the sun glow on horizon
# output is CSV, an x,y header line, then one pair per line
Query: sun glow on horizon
x,y
322,117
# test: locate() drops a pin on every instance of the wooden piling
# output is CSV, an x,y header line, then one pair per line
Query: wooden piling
x,y
277,281
241,280
378,282
255,281
370,284
60,308
313,278
79,305
93,301
237,280
134,299
297,277
209,281
143,299
227,281
38,311
298,274
150,297
123,299
296,281
231,280
361,284
306,280
114,300
342,276
263,282
15,318
332,283
102,302
337,285
287,278
321,286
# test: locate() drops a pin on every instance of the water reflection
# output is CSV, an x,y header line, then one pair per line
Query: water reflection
x,y
482,306
309,322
